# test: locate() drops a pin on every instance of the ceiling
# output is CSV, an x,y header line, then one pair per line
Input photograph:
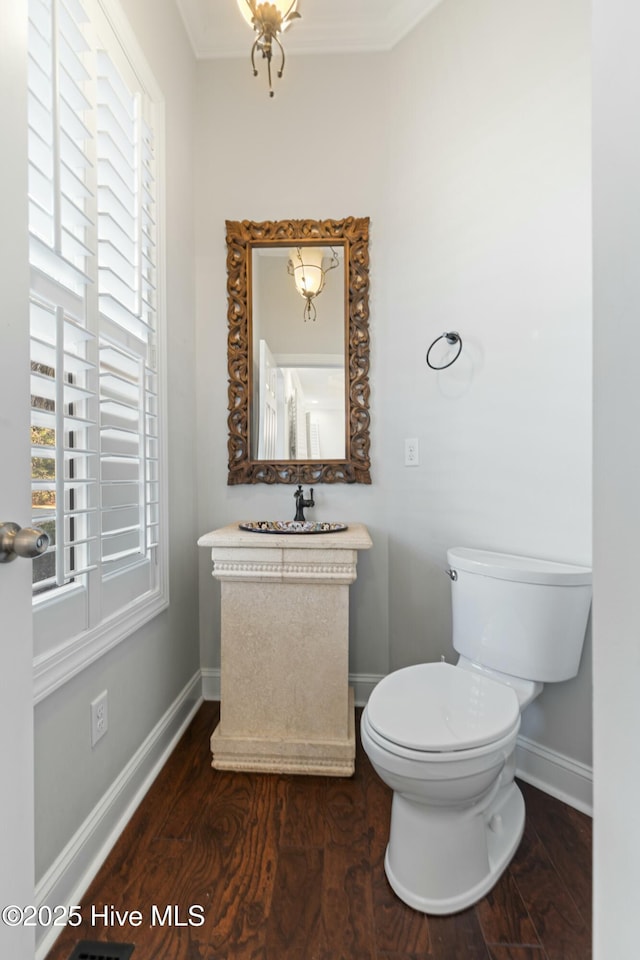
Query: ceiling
x,y
216,28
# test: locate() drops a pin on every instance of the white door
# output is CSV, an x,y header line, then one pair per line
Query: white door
x,y
270,406
16,698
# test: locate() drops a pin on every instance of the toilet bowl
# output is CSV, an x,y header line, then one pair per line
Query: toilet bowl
x,y
446,750
443,737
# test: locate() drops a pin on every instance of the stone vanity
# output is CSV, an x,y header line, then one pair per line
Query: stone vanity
x,y
286,706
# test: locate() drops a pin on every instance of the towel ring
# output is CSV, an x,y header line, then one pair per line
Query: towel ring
x,y
451,338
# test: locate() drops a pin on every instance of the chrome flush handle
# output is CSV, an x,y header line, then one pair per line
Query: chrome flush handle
x,y
452,574
28,542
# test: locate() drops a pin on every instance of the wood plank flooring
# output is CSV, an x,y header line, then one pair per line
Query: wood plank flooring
x,y
291,868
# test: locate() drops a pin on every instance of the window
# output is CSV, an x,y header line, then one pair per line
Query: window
x,y
96,334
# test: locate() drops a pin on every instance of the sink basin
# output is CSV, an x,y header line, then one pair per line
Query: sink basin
x,y
291,526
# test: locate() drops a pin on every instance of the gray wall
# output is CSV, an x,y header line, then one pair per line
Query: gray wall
x,y
145,673
468,145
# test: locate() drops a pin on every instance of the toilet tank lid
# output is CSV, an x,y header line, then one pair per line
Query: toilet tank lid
x,y
506,566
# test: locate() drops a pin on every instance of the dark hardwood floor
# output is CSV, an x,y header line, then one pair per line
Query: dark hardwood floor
x,y
291,868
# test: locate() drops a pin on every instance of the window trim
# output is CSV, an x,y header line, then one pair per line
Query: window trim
x,y
55,667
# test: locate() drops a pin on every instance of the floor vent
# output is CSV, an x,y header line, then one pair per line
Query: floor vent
x,y
93,950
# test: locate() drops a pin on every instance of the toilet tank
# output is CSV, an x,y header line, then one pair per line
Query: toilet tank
x,y
519,615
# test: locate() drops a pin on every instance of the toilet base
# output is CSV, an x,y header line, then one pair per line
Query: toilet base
x,y
441,861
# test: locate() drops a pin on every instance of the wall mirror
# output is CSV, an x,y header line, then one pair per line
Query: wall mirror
x,y
298,351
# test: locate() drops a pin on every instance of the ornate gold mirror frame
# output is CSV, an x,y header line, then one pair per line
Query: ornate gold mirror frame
x,y
242,236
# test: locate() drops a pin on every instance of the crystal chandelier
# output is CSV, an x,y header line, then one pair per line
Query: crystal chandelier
x,y
268,21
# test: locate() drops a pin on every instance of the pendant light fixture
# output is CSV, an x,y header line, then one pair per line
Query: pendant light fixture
x,y
309,274
268,20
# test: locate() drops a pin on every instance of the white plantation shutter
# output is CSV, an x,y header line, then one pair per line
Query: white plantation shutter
x,y
127,347
95,337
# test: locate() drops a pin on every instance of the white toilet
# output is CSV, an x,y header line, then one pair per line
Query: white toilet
x,y
443,737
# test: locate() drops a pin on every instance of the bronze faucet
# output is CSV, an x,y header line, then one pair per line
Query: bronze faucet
x,y
301,503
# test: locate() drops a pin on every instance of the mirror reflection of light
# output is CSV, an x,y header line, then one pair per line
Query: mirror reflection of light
x,y
309,268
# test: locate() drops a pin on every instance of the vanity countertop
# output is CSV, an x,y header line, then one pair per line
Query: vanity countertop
x,y
355,537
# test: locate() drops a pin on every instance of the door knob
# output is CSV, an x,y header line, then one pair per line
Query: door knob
x,y
26,542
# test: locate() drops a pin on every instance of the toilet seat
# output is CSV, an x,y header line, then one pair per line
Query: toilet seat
x,y
435,708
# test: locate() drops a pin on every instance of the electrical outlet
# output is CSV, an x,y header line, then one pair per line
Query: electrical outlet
x,y
99,717
411,452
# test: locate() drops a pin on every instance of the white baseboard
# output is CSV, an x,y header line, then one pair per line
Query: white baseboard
x,y
554,773
363,684
210,683
70,875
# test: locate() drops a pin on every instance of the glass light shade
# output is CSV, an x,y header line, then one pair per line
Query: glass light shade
x,y
307,270
283,7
